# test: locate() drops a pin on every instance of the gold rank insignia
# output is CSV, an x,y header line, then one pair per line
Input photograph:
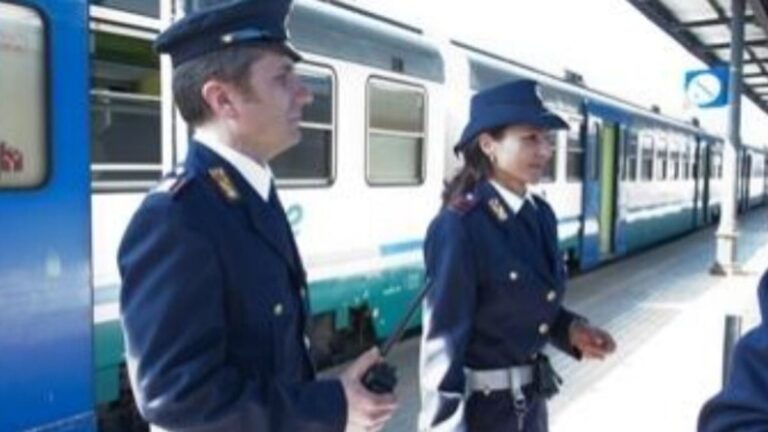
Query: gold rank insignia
x,y
222,180
498,209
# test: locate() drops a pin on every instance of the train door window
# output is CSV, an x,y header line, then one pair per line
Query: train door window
x,y
646,157
312,161
661,158
23,101
631,155
574,151
396,133
550,171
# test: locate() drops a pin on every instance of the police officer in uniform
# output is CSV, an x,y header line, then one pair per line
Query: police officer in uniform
x,y
742,405
497,277
214,300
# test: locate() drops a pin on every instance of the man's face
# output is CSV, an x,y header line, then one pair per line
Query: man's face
x,y
268,117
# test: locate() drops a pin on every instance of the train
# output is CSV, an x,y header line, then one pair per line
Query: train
x,y
359,189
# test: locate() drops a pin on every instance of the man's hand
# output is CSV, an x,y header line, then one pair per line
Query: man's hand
x,y
593,342
366,411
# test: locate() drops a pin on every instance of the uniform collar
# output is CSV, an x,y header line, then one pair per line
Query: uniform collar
x,y
258,176
511,199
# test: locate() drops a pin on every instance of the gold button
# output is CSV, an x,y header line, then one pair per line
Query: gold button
x,y
278,310
551,296
544,328
513,275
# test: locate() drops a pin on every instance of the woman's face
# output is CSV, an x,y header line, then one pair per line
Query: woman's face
x,y
520,156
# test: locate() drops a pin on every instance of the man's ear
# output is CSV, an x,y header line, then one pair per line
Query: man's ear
x,y
218,96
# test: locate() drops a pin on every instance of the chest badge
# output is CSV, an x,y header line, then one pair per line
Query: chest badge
x,y
224,183
498,209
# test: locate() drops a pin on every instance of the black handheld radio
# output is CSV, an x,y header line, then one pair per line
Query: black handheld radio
x,y
381,378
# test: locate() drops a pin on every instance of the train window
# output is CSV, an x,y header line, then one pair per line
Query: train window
x,y
550,171
686,163
630,156
396,133
125,135
716,165
125,139
674,164
142,7
646,157
661,158
311,162
575,151
23,102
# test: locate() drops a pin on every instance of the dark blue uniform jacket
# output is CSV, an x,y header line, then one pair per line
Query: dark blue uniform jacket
x,y
213,308
742,406
496,301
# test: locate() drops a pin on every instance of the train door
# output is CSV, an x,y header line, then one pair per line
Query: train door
x,y
45,296
746,179
602,229
765,178
704,171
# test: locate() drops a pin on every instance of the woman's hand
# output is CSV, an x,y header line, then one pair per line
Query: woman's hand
x,y
593,342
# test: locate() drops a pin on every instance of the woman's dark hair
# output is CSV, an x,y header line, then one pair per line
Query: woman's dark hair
x,y
476,168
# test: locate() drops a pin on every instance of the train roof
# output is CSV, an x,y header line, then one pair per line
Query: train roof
x,y
488,69
344,32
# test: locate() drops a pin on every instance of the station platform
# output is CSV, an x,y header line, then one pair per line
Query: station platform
x,y
667,314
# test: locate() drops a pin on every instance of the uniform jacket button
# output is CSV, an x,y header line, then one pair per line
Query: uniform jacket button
x,y
278,310
544,328
513,275
551,296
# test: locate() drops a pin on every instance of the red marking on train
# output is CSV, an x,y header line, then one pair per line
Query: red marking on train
x,y
11,159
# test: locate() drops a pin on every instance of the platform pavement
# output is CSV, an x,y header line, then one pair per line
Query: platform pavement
x,y
667,314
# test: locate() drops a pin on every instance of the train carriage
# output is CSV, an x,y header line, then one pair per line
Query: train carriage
x,y
359,190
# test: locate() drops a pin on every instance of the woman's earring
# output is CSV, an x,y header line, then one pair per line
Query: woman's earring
x,y
492,156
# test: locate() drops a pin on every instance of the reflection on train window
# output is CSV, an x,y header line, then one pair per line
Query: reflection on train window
x,y
575,152
550,171
396,133
125,139
661,158
142,7
311,161
23,150
630,156
646,157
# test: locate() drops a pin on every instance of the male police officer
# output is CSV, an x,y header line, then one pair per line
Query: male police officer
x,y
214,292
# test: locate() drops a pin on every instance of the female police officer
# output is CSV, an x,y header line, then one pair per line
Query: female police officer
x,y
497,278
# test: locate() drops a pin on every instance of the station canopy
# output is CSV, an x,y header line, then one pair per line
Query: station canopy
x,y
704,28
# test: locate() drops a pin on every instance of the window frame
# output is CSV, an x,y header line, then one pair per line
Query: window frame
x,y
369,130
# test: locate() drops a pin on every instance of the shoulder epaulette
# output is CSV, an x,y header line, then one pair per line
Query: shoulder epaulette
x,y
173,183
464,203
